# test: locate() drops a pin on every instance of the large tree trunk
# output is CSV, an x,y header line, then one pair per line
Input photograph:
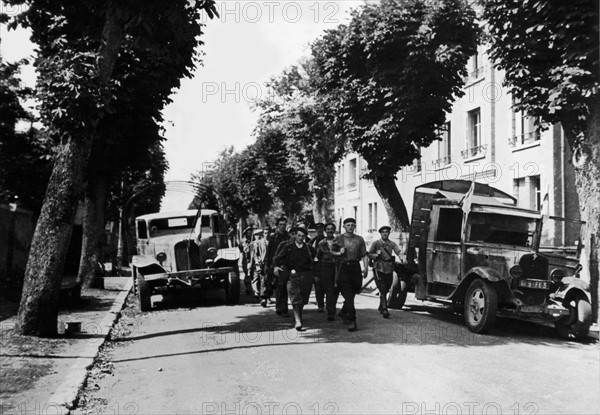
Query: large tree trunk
x,y
586,161
93,231
393,203
38,311
323,200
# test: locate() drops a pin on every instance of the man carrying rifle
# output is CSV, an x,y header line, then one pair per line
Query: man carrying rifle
x,y
382,254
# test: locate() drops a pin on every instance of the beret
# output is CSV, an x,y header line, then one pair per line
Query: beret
x,y
299,228
349,220
383,228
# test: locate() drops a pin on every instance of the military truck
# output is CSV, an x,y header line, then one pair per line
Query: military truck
x,y
183,250
470,246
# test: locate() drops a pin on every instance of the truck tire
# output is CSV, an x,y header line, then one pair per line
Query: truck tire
x,y
398,294
577,323
481,305
232,288
144,294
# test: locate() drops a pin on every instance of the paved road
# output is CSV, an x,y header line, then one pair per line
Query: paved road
x,y
216,359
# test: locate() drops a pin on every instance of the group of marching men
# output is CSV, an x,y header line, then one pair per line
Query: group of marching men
x,y
286,264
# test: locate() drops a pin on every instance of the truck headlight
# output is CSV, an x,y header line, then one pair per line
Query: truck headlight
x,y
557,275
516,271
161,257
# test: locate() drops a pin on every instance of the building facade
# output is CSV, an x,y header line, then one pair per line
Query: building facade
x,y
484,139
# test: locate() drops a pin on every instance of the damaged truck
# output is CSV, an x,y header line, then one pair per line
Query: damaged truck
x,y
471,247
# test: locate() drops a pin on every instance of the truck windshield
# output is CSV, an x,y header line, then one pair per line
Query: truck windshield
x,y
501,229
176,224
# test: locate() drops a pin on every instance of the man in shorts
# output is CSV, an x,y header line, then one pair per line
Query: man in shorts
x,y
294,263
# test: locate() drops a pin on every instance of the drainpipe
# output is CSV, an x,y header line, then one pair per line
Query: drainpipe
x,y
493,114
563,208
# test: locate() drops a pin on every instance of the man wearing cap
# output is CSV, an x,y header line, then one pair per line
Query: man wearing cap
x,y
293,262
351,249
258,250
325,271
281,298
319,236
244,248
382,253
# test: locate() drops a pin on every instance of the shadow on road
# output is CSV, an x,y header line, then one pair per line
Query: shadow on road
x,y
417,324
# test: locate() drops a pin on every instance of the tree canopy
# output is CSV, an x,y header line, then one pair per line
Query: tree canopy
x,y
86,51
549,52
390,76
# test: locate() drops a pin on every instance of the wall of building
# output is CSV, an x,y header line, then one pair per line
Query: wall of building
x,y
16,230
511,154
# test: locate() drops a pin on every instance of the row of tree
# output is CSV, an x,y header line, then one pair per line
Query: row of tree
x,y
379,85
105,72
382,84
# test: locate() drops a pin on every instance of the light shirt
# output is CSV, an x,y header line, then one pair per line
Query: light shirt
x,y
354,245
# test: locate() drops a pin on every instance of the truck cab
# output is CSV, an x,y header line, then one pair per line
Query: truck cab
x,y
475,249
183,249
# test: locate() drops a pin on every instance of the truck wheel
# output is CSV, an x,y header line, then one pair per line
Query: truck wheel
x,y
144,294
398,294
579,320
481,304
232,288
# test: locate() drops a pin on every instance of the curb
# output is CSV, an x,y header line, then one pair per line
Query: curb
x,y
66,393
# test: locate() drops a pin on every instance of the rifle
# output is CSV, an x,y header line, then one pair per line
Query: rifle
x,y
374,277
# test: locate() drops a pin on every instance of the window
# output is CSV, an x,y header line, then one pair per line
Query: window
x,y
444,146
474,146
355,212
142,229
525,130
476,69
352,174
527,191
340,177
416,166
449,225
372,217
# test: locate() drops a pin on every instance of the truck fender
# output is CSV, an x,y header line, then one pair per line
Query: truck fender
x,y
147,265
486,273
571,284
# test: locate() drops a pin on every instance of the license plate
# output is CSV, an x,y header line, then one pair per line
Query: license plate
x,y
538,284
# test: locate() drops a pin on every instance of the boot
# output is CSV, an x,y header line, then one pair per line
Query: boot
x,y
344,316
352,326
298,316
383,306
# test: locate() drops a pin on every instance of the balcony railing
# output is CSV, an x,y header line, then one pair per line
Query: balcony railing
x,y
526,138
476,73
442,161
474,151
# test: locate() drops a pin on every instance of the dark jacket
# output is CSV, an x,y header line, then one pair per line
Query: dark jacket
x,y
275,239
295,258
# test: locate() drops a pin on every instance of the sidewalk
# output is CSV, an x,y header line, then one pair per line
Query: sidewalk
x,y
44,375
